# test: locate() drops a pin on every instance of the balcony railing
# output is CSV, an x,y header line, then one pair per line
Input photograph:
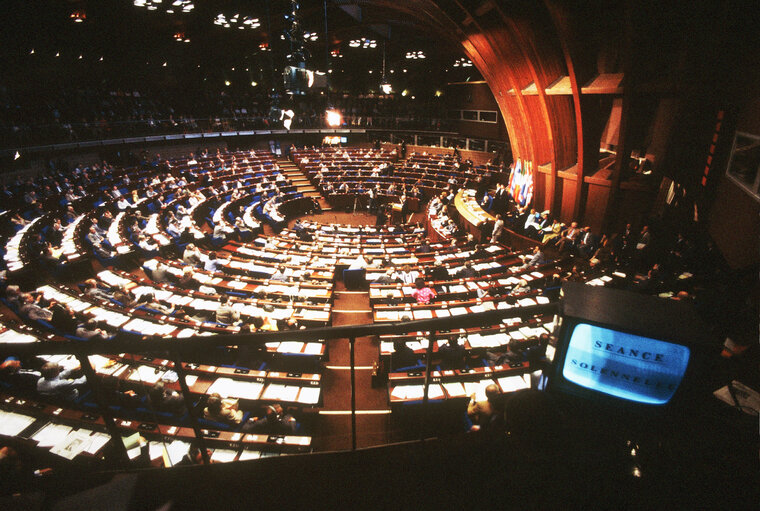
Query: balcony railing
x,y
180,350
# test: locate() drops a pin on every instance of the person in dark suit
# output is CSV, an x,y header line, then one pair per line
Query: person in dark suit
x,y
402,356
586,243
165,400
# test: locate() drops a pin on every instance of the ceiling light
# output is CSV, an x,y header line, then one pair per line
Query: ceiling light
x,y
363,43
227,83
254,84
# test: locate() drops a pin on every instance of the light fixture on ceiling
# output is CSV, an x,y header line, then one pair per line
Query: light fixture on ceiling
x,y
237,21
183,6
363,43
414,55
462,62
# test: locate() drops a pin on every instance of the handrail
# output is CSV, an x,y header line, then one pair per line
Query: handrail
x,y
201,342
168,137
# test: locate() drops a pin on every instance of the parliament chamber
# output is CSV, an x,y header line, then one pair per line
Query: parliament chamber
x,y
289,254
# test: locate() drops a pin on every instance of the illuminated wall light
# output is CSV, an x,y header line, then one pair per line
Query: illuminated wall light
x,y
438,93
31,52
163,65
334,118
227,83
57,54
254,84
404,92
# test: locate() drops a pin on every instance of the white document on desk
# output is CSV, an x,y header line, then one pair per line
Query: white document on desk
x,y
51,434
309,395
455,389
227,387
513,383
313,348
12,424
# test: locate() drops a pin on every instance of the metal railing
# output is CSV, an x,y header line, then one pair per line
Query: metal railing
x,y
179,350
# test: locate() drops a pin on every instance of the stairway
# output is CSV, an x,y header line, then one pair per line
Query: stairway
x,y
301,181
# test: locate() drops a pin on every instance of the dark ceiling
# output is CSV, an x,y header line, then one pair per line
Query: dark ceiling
x,y
134,43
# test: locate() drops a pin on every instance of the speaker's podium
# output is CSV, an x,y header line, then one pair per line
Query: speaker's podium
x,y
396,216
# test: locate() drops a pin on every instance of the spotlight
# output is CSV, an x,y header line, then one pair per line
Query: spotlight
x,y
16,156
334,119
386,87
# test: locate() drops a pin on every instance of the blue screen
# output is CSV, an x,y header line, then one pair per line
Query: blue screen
x,y
624,365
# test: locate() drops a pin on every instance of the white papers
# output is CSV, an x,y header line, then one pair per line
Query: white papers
x,y
11,336
290,347
314,348
175,451
223,455
422,314
227,387
309,395
51,434
73,444
458,311
278,392
249,455
146,374
513,383
454,389
12,424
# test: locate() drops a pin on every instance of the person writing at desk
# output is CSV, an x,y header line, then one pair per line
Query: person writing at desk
x,y
56,382
483,413
222,410
274,422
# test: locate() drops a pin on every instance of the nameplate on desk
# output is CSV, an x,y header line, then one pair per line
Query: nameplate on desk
x,y
414,373
294,375
515,364
191,366
36,406
146,426
276,439
242,371
210,434
89,417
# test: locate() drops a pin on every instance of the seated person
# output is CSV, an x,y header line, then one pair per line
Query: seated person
x,y
222,410
422,293
275,422
31,308
165,400
55,382
520,288
90,330
483,413
537,259
225,314
402,356
467,272
452,355
192,255
386,278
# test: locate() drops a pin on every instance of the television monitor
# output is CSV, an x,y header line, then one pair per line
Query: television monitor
x,y
626,349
